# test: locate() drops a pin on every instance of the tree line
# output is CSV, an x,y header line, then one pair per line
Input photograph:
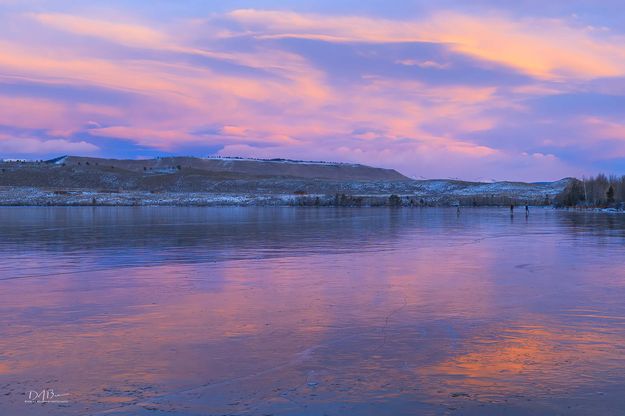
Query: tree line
x,y
600,191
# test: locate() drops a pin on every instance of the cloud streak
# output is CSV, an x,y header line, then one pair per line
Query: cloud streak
x,y
547,48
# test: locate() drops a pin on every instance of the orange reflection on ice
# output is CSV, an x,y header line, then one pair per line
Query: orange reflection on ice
x,y
526,357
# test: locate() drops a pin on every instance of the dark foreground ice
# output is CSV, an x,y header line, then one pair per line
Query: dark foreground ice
x,y
287,311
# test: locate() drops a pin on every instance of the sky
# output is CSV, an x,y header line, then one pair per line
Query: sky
x,y
482,90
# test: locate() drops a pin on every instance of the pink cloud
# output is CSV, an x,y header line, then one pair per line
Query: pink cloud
x,y
123,33
547,48
33,113
35,146
278,103
175,98
606,129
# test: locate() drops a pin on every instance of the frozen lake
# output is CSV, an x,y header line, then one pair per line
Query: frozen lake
x,y
288,311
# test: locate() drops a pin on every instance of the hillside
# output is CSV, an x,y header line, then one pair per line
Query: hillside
x,y
72,180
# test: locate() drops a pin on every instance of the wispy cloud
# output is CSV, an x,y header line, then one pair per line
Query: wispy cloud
x,y
549,48
123,33
36,146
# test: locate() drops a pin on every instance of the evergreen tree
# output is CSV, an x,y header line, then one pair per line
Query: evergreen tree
x,y
610,195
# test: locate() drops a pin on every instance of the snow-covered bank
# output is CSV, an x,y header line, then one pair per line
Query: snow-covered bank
x,y
30,196
593,210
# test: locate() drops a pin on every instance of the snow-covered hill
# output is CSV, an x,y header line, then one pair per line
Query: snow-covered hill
x,y
71,180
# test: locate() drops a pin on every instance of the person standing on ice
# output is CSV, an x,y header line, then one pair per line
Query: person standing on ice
x,y
511,209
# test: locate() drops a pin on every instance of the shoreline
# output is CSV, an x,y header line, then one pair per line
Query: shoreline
x,y
190,200
29,196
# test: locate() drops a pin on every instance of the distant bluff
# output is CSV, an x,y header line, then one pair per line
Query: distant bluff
x,y
246,168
